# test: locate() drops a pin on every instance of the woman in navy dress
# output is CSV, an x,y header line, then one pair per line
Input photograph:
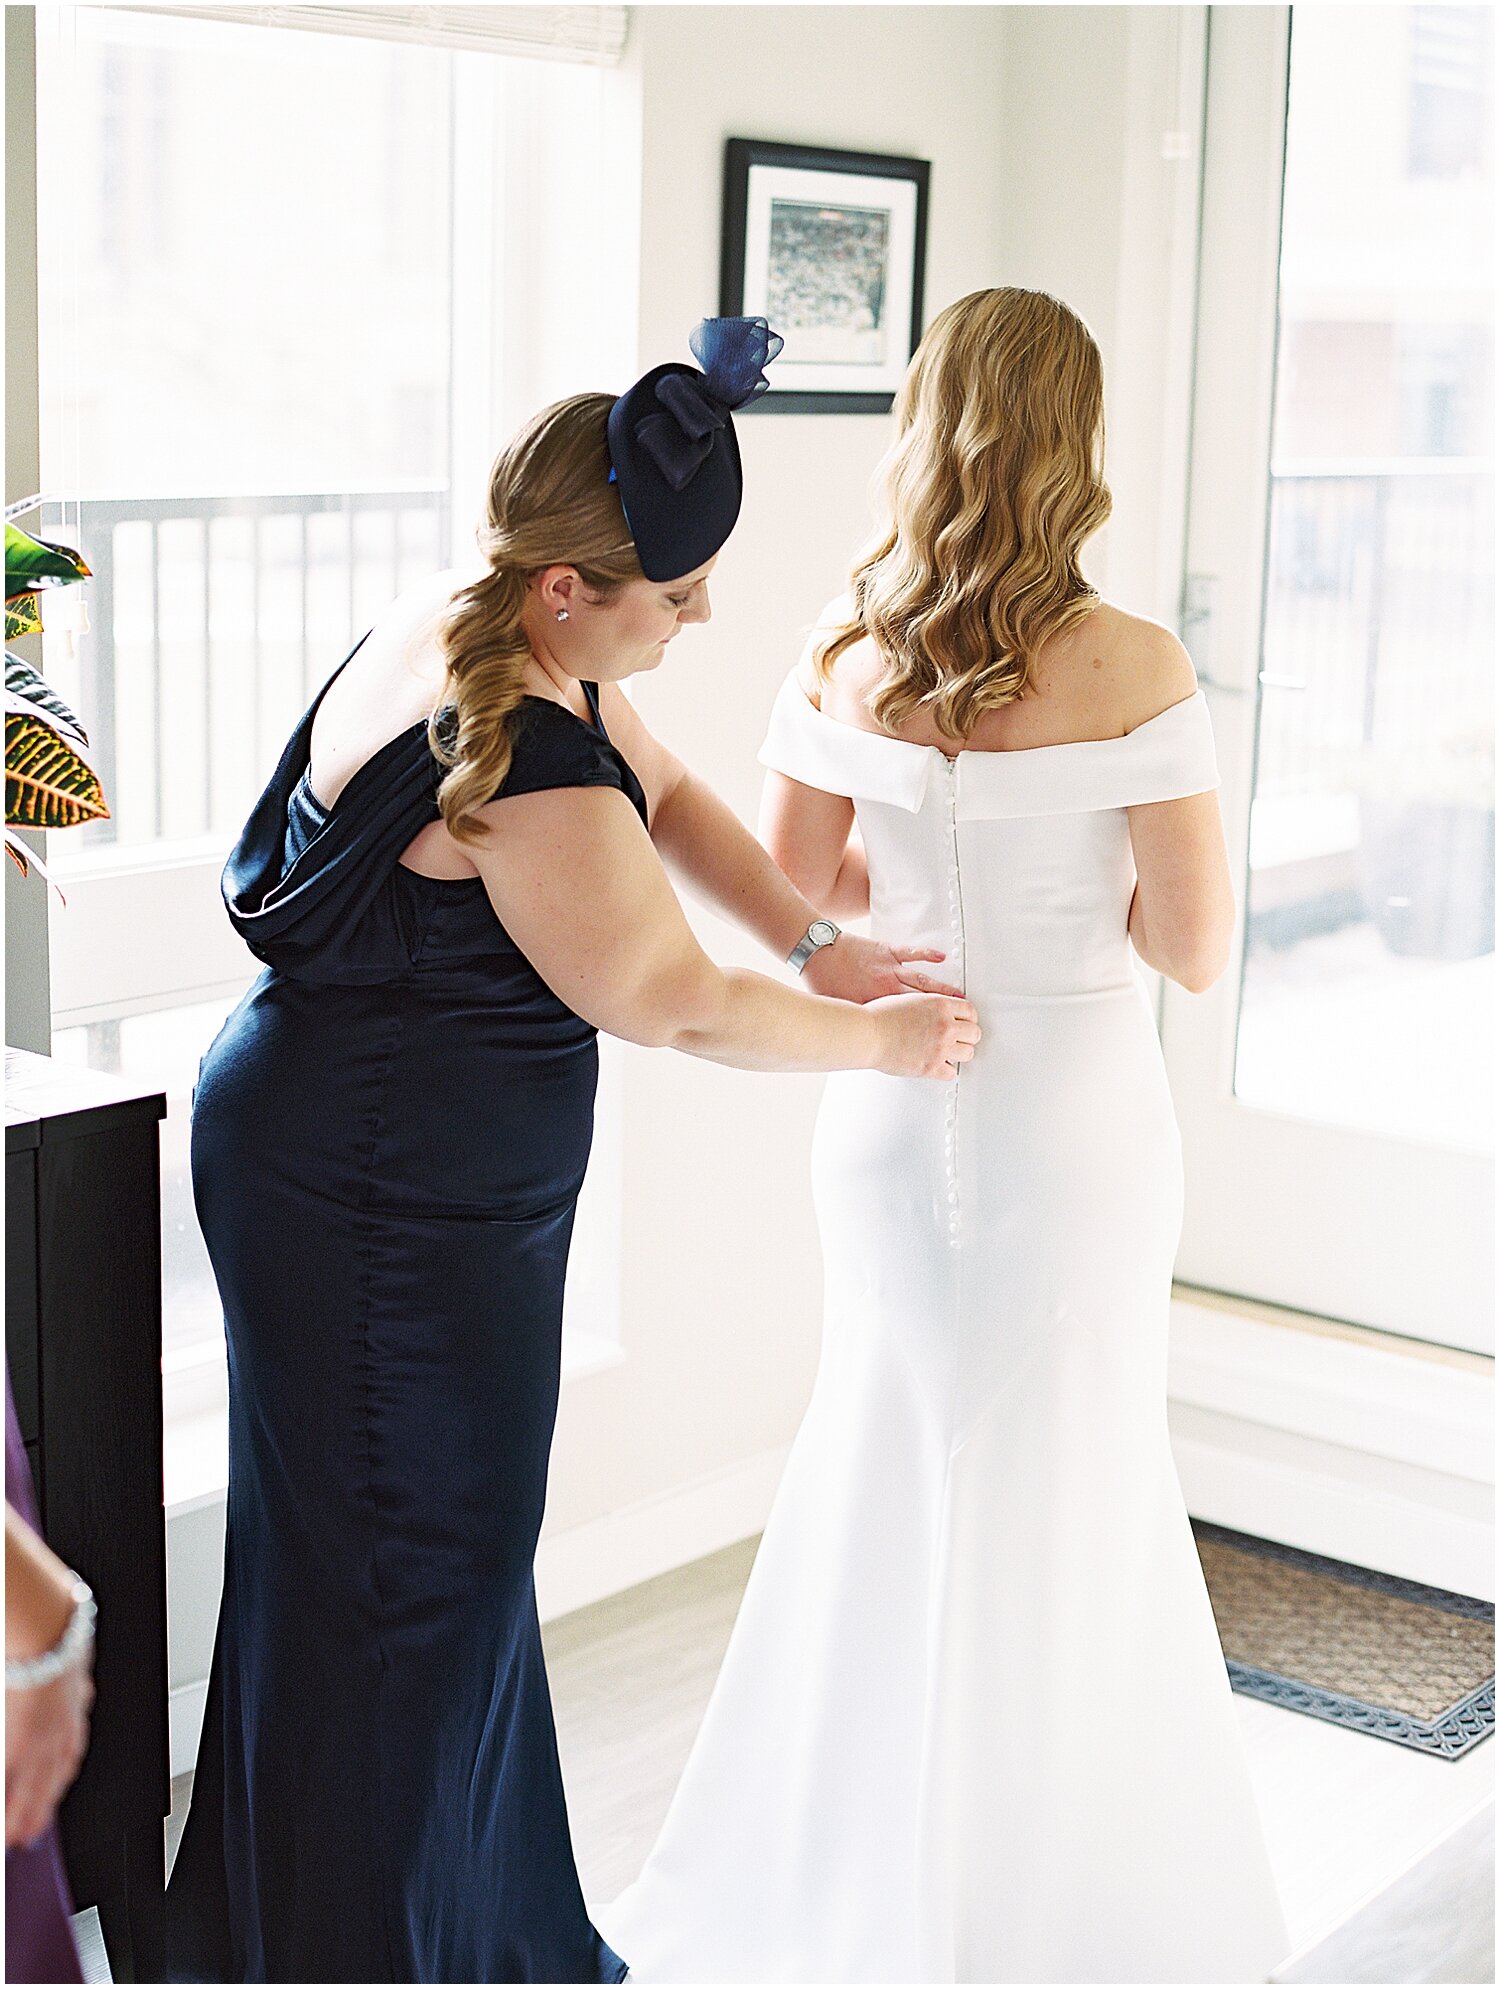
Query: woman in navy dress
x,y
455,877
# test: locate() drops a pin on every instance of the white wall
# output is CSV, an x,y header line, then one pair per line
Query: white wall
x,y
1102,163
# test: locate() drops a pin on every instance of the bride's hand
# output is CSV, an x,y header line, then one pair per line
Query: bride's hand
x,y
860,970
924,1035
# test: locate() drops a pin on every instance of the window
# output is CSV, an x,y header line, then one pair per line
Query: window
x,y
1449,109
294,289
1369,962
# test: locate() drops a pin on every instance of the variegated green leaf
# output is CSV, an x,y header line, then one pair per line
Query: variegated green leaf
x,y
48,783
23,616
31,563
26,691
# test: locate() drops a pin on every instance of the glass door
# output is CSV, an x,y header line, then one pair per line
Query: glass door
x,y
1336,1088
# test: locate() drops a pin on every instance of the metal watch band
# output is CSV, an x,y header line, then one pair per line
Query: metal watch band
x,y
22,1673
822,932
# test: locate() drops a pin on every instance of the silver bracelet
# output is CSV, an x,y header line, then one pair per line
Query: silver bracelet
x,y
70,1649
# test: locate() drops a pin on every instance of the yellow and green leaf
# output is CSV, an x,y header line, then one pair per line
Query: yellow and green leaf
x,y
31,563
48,783
23,616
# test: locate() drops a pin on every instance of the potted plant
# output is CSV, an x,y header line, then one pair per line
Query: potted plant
x,y
49,783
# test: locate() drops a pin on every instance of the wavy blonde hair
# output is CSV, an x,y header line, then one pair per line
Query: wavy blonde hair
x,y
550,503
994,482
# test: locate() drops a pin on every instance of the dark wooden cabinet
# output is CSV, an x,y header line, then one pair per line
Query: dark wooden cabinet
x,y
83,1340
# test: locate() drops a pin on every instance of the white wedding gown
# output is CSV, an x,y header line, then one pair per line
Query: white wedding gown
x,y
974,1723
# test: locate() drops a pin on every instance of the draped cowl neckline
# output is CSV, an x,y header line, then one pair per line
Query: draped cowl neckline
x,y
294,913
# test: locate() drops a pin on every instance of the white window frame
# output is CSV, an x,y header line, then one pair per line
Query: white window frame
x,y
1323,1219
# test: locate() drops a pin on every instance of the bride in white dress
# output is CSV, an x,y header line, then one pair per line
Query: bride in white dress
x,y
974,1723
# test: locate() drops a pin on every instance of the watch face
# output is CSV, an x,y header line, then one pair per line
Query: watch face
x,y
821,931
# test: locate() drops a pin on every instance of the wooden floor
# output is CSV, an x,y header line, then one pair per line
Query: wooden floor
x,y
1385,1858
630,1680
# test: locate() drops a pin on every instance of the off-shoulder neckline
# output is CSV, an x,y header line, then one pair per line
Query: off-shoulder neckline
x,y
993,752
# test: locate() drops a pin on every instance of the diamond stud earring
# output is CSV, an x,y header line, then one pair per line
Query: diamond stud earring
x,y
562,614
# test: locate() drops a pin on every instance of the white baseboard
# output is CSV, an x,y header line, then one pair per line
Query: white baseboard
x,y
615,1552
1350,1443
1326,1513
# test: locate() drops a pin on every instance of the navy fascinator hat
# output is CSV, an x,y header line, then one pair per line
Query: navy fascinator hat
x,y
673,447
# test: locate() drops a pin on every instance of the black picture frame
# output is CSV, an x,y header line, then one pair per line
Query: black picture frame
x,y
741,157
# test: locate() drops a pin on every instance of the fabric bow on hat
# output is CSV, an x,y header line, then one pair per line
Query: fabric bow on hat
x,y
673,451
733,353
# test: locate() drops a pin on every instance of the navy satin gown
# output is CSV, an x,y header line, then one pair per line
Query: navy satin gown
x,y
389,1136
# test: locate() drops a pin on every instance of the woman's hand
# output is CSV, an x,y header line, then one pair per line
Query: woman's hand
x,y
577,884
46,1735
856,969
924,1035
46,1726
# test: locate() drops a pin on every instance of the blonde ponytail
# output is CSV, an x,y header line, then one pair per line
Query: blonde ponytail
x,y
550,503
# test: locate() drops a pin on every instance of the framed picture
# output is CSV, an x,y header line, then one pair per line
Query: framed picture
x,y
830,247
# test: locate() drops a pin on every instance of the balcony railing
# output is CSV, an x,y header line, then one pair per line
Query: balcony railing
x,y
1374,777
212,622
1379,617
214,619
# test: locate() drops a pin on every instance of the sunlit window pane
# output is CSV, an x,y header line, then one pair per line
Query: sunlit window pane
x,y
1370,957
245,310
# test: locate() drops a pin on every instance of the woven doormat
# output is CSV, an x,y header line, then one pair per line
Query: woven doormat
x,y
1387,1656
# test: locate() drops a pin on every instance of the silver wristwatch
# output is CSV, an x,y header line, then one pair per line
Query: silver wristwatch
x,y
69,1649
822,932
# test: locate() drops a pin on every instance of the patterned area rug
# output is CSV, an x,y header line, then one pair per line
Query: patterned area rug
x,y
1390,1657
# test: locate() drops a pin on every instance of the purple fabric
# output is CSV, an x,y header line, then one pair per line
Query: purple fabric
x,y
38,1939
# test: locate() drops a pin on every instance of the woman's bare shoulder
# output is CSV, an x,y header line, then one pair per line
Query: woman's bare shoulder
x,y
833,616
408,626
1137,666
393,678
844,688
1108,674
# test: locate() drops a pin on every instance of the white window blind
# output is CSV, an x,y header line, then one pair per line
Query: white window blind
x,y
558,34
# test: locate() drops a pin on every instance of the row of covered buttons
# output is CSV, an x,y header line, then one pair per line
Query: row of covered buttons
x,y
955,963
